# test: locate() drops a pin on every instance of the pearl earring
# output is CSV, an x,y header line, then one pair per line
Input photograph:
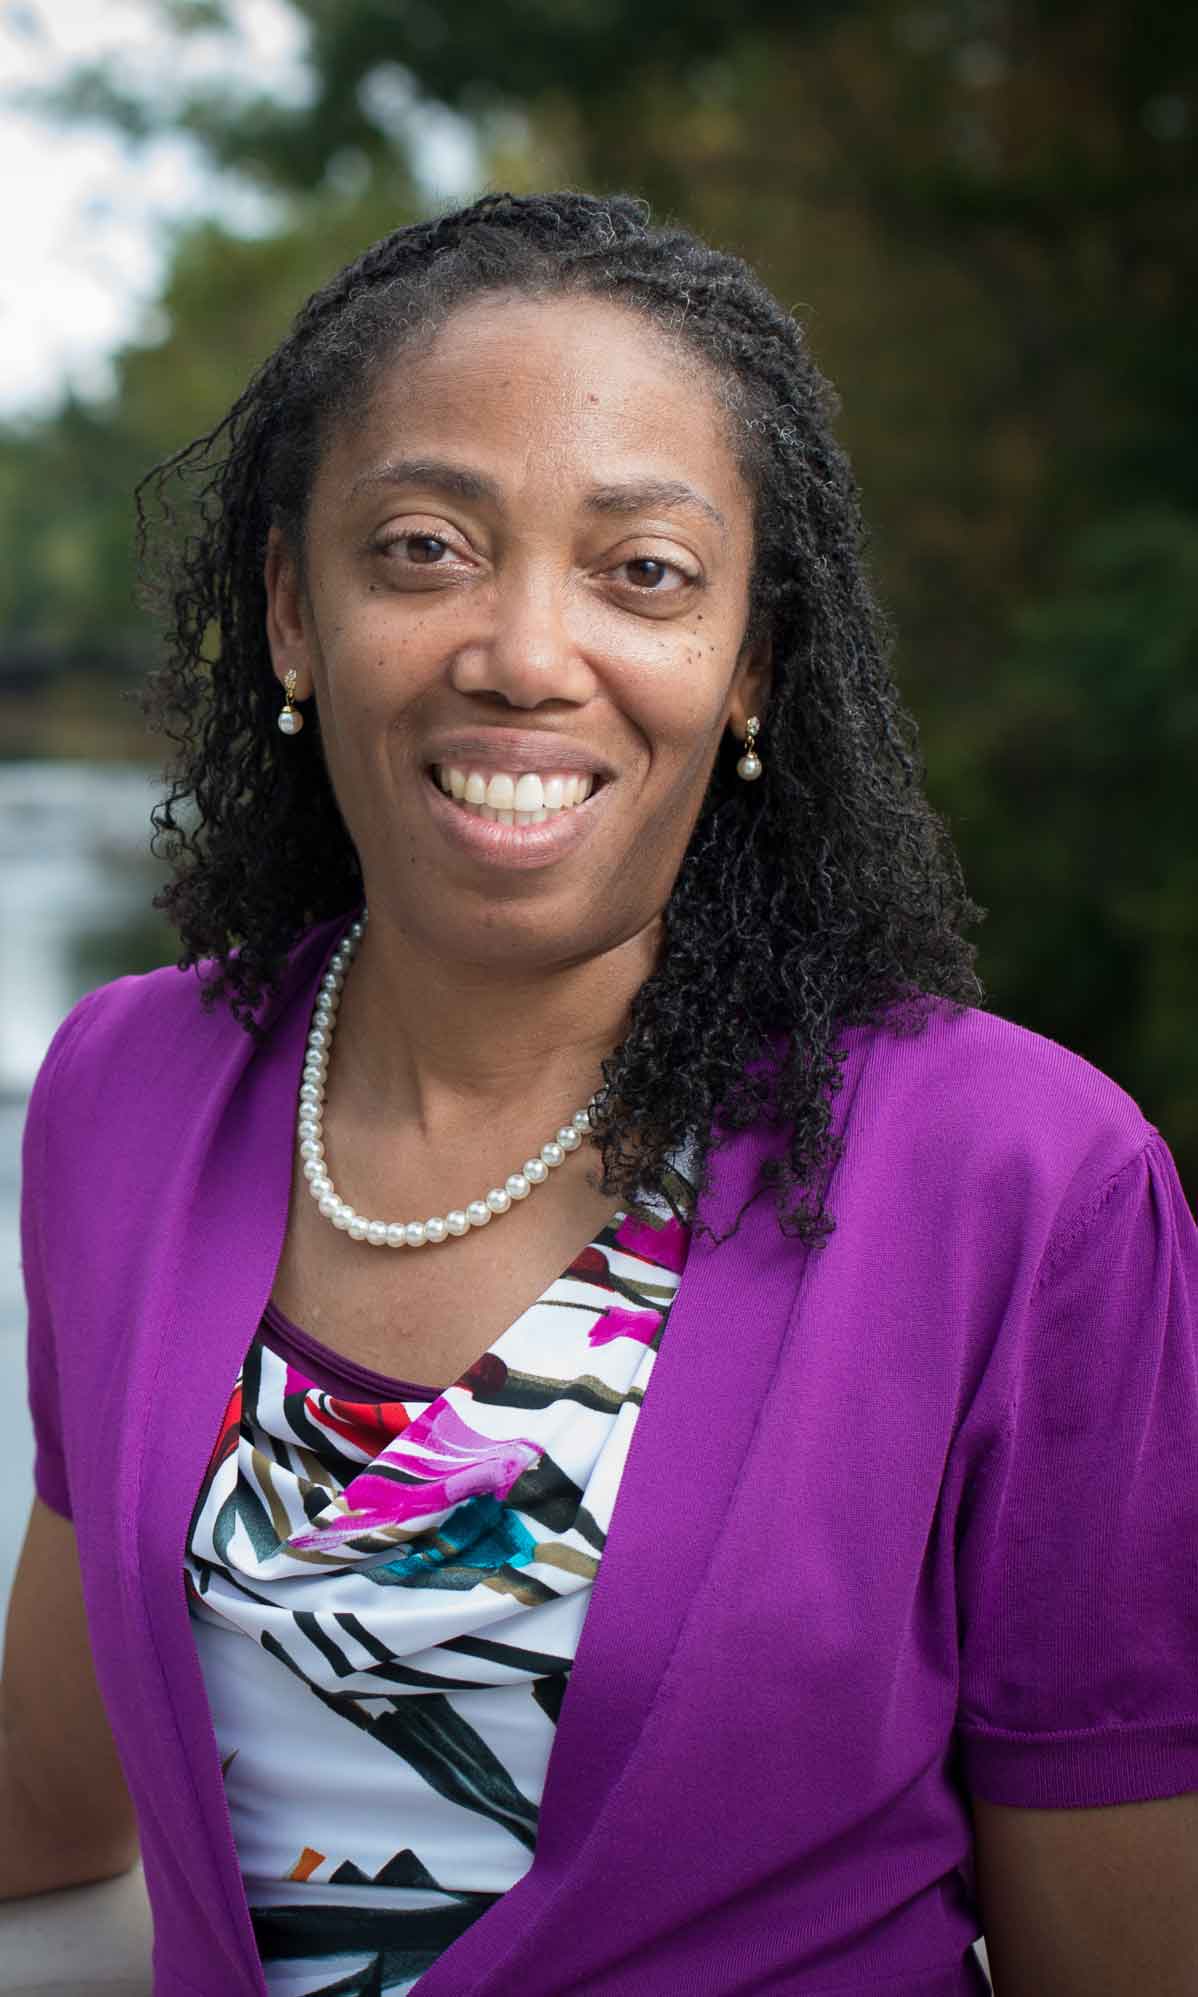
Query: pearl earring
x,y
290,720
749,766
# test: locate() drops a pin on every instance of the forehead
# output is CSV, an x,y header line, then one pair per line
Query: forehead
x,y
555,388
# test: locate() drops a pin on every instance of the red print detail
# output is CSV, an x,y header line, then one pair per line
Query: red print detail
x,y
368,1425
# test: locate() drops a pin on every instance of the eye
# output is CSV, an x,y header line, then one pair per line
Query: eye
x,y
649,573
423,550
411,553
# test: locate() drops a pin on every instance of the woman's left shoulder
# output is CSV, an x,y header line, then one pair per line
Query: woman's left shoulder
x,y
971,1089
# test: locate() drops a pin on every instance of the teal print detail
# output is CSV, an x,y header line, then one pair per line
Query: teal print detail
x,y
477,1537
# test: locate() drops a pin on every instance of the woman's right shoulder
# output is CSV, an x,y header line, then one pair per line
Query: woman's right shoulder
x,y
144,1026
141,1044
141,1008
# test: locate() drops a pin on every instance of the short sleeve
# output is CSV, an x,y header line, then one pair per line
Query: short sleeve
x,y
37,1206
1077,1554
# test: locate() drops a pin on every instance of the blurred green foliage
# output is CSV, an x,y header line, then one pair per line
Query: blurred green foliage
x,y
985,215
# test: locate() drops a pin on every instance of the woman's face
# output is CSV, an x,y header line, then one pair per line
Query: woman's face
x,y
525,569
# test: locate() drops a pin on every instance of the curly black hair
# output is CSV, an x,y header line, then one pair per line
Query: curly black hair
x,y
825,895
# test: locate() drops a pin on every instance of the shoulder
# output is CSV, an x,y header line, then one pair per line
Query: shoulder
x,y
140,1046
977,1106
970,1064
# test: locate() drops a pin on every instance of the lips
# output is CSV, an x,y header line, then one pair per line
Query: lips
x,y
516,751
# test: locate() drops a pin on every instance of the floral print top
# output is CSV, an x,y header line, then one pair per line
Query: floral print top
x,y
387,1585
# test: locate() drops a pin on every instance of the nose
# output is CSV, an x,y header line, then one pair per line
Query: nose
x,y
528,653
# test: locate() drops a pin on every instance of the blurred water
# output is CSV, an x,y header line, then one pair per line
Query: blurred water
x,y
73,876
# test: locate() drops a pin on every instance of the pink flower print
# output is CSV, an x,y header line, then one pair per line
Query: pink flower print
x,y
618,1323
450,1461
664,1246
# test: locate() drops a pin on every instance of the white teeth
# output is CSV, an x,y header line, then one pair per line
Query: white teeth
x,y
501,791
527,799
529,795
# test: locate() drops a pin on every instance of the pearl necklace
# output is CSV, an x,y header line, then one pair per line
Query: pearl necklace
x,y
411,1233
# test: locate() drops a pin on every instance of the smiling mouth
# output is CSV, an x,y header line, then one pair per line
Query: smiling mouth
x,y
514,798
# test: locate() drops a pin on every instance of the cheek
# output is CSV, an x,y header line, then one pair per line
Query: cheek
x,y
370,671
684,696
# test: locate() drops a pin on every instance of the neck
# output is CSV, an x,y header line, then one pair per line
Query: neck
x,y
438,1042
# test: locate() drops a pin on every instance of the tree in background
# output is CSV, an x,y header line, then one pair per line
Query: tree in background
x,y
984,213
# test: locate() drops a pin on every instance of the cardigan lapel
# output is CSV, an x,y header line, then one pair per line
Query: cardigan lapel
x,y
727,1325
233,1203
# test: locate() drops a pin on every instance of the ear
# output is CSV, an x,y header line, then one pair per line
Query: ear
x,y
750,690
287,616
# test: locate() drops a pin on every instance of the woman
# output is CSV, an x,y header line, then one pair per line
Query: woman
x,y
582,914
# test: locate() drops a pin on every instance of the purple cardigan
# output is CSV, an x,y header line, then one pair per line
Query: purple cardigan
x,y
904,1518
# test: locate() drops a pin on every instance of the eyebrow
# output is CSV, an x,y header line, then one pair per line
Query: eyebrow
x,y
649,495
436,473
459,482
